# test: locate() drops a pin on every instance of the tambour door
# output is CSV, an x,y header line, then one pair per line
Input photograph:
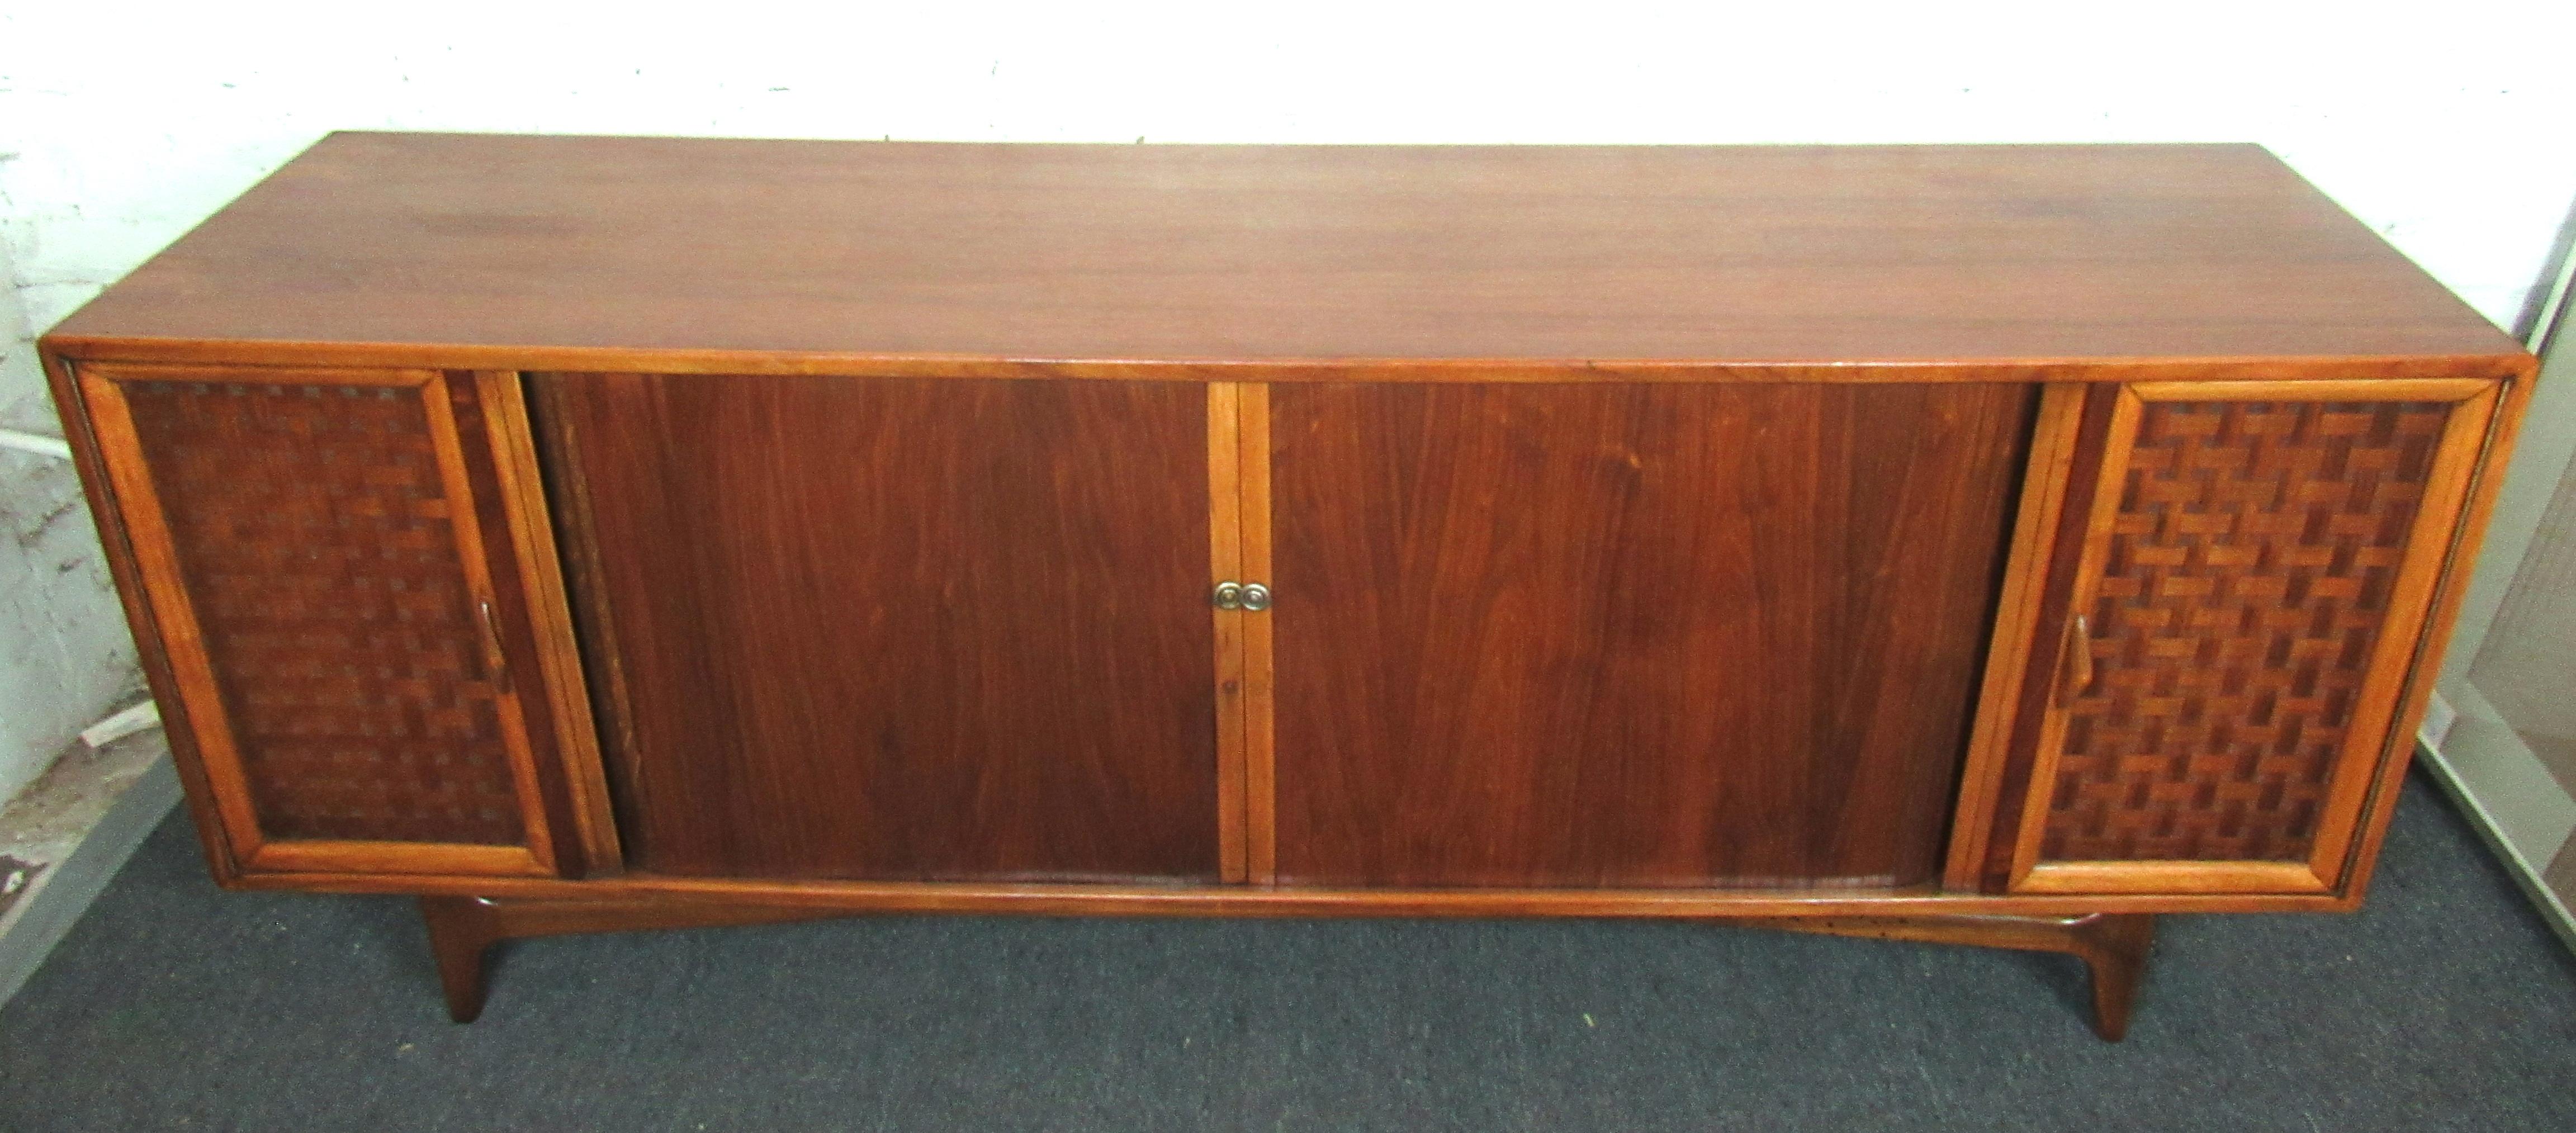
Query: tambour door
x,y
897,629
2244,575
347,600
1621,634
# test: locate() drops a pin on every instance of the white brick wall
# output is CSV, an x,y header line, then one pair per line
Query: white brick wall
x,y
121,124
64,653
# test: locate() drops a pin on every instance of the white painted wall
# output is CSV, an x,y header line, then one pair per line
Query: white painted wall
x,y
64,653
2442,125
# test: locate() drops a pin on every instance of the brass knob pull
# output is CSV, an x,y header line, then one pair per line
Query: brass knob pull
x,y
1251,596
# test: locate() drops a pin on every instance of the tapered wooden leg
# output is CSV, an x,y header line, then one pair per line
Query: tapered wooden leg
x,y
462,930
2113,946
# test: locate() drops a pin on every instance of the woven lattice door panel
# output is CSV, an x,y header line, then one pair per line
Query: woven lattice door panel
x,y
2255,572
311,556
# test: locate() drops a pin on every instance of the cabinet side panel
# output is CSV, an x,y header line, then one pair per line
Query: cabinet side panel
x,y
899,629
1631,635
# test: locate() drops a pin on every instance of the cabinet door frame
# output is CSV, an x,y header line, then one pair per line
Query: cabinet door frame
x,y
2384,705
1239,551
567,839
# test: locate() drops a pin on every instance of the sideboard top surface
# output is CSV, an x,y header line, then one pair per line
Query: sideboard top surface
x,y
1538,256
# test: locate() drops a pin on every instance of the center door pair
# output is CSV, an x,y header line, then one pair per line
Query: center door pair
x,y
1519,635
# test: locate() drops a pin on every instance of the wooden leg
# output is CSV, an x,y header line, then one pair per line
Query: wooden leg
x,y
462,930
2113,946
460,933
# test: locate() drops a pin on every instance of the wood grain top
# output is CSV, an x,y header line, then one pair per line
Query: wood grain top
x,y
1547,258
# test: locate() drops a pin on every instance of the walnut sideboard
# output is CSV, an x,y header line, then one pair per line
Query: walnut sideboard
x,y
1988,544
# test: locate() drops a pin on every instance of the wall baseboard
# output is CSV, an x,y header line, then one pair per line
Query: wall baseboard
x,y
2532,820
57,895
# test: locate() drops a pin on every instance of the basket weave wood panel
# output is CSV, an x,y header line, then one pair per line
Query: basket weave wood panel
x,y
2248,577
319,548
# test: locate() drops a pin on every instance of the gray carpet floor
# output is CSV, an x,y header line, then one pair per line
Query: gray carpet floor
x,y
2445,1005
